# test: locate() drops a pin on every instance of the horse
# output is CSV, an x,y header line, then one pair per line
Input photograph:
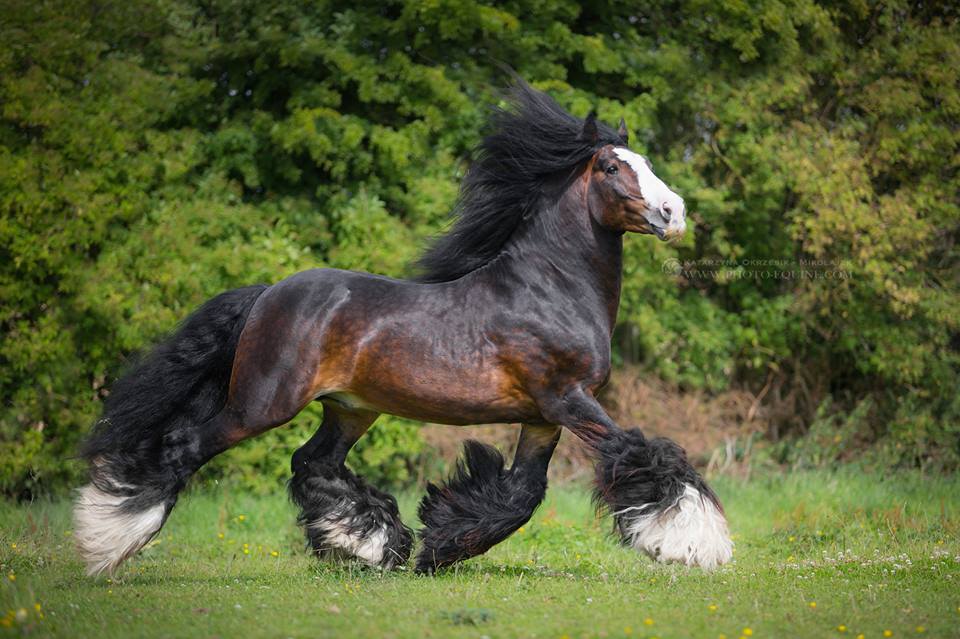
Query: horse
x,y
509,319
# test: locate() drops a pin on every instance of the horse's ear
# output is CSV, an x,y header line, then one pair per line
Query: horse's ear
x,y
590,132
622,131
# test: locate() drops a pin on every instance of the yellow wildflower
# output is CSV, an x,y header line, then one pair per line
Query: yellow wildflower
x,y
712,607
648,621
12,577
841,628
813,604
274,553
921,629
747,632
888,633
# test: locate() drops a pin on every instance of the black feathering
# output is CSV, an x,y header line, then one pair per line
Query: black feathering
x,y
481,504
633,470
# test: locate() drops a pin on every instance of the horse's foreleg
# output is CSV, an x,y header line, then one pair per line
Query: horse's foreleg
x,y
340,513
482,503
660,504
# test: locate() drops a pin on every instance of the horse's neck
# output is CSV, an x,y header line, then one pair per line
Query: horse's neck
x,y
565,250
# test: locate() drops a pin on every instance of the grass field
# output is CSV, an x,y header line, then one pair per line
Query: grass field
x,y
817,555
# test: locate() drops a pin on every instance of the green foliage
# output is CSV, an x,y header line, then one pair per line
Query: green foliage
x,y
831,438
155,153
388,454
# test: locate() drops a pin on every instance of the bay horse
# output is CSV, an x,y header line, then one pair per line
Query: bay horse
x,y
509,319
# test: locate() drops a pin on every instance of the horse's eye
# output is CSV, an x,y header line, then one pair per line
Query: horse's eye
x,y
612,169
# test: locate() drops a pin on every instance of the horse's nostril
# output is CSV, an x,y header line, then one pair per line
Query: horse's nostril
x,y
666,210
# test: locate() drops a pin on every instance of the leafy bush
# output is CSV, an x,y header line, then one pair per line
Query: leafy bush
x,y
155,153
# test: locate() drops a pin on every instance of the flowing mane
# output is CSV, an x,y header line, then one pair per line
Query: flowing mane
x,y
529,143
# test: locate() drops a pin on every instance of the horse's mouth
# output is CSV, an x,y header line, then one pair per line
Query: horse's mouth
x,y
664,228
670,232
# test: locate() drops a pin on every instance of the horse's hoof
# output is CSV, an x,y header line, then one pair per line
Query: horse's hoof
x,y
345,516
660,504
692,531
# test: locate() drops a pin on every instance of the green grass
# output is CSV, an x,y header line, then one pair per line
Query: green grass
x,y
873,554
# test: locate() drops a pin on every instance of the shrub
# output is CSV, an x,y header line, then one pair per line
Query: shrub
x,y
155,153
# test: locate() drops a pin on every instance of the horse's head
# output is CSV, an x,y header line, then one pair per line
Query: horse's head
x,y
625,195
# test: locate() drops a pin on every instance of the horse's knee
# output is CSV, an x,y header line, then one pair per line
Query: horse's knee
x,y
299,460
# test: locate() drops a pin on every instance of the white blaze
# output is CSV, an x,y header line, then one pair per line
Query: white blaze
x,y
656,194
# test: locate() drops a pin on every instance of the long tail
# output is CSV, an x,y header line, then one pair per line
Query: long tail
x,y
177,387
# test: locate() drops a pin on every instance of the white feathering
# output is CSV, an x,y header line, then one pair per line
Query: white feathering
x,y
105,534
693,531
339,535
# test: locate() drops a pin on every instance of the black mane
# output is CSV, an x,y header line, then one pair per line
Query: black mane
x,y
529,143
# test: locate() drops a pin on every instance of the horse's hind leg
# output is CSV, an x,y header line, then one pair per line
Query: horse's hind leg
x,y
135,481
482,503
132,492
340,513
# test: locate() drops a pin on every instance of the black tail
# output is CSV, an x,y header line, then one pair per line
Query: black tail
x,y
174,389
184,378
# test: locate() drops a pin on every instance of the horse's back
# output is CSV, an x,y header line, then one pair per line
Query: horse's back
x,y
396,346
